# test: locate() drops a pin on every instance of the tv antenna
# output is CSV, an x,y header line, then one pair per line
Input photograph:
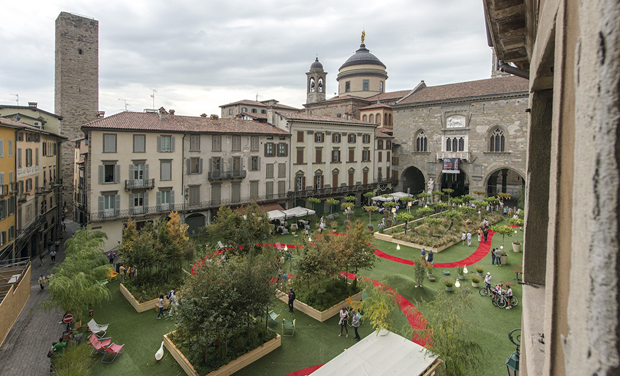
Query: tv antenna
x,y
16,98
125,101
257,97
153,96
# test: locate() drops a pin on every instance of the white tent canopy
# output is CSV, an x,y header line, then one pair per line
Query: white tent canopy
x,y
298,212
399,195
380,355
382,199
276,214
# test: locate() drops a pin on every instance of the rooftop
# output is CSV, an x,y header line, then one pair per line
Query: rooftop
x,y
32,108
322,119
393,95
260,104
362,57
149,121
486,87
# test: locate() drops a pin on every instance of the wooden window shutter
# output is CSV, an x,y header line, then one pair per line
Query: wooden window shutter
x,y
300,136
300,156
351,177
319,156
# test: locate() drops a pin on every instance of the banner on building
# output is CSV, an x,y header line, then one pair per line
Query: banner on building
x,y
451,166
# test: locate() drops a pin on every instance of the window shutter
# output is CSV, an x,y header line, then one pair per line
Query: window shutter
x,y
200,166
146,201
146,172
172,199
100,174
101,198
117,173
230,164
172,144
159,144
131,200
1,148
285,150
158,199
36,156
258,167
188,165
266,149
210,164
303,183
117,205
131,171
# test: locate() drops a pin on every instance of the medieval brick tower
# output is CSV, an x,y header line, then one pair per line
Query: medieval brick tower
x,y
76,92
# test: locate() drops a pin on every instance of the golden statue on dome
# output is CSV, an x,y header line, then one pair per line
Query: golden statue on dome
x,y
363,36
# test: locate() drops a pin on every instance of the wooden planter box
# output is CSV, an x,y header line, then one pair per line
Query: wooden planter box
x,y
139,307
389,238
230,368
315,314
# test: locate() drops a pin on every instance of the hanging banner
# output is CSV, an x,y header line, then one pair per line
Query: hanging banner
x,y
451,166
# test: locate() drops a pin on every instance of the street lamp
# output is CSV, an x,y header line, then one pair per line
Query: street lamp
x,y
512,363
285,248
465,271
398,247
457,283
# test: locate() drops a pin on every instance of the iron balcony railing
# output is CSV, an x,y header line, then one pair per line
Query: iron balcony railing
x,y
4,190
139,184
220,175
110,214
38,221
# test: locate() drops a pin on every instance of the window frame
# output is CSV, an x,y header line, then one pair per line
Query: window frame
x,y
137,137
105,150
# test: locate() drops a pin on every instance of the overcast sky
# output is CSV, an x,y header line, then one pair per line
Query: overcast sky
x,y
202,54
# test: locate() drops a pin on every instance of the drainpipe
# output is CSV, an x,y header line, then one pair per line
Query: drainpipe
x,y
183,177
502,66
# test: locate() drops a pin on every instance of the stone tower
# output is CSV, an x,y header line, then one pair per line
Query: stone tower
x,y
316,83
76,91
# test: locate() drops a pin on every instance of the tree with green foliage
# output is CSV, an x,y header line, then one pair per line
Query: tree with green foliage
x,y
438,194
419,272
357,249
405,217
77,281
433,224
379,307
448,191
407,200
332,202
425,211
480,205
503,231
516,222
368,196
442,206
446,333
314,201
370,209
348,208
456,201
240,228
422,196
467,199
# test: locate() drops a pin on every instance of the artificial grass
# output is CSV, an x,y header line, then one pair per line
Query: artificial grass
x,y
316,343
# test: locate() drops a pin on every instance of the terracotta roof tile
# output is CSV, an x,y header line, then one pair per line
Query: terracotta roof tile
x,y
323,119
376,105
383,133
490,86
16,124
255,115
10,123
149,121
393,95
248,102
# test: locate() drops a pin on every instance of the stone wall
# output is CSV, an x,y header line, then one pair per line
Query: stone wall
x,y
76,86
482,117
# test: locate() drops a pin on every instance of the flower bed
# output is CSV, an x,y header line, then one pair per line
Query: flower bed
x,y
139,307
228,369
320,316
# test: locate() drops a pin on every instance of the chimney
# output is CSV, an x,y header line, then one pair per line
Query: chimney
x,y
203,115
162,113
32,104
171,112
100,114
270,116
215,119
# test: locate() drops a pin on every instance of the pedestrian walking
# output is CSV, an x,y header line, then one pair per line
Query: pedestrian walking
x,y
429,257
123,272
498,254
41,257
479,234
485,232
160,305
42,282
53,256
468,239
291,299
355,323
174,302
344,316
493,256
464,237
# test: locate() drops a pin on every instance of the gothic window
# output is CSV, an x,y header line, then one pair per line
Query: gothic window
x,y
461,144
448,144
312,84
497,141
421,142
320,85
455,144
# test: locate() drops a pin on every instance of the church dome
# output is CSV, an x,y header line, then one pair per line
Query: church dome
x,y
362,57
316,65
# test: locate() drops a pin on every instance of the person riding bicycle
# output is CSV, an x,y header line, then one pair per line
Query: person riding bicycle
x,y
487,281
497,291
509,297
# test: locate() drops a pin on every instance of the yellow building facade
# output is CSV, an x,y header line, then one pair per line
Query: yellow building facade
x,y
7,193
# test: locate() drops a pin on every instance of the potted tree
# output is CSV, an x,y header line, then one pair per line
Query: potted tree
x,y
419,272
459,272
503,256
448,283
475,282
429,272
370,209
332,202
503,231
516,245
479,271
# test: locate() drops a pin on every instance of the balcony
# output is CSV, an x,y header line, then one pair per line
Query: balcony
x,y
463,155
139,184
4,190
221,175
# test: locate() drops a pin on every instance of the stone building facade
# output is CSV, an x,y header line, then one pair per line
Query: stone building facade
x,y
481,123
76,85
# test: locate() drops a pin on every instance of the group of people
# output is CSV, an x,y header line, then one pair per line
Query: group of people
x,y
428,256
356,321
496,258
127,272
173,303
497,291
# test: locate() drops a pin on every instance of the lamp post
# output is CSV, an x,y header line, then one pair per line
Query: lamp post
x,y
512,363
398,247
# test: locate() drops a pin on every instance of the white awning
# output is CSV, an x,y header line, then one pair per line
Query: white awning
x,y
399,195
380,355
276,214
382,199
298,212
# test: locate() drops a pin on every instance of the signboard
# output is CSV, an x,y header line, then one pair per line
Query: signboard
x,y
68,318
451,166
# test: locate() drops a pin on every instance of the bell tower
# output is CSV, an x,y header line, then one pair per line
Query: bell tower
x,y
315,83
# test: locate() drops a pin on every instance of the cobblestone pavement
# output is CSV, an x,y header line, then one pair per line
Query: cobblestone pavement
x,y
24,352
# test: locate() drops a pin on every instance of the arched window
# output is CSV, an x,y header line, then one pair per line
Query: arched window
x,y
371,118
244,109
365,118
312,84
455,144
421,142
390,119
461,144
448,144
497,141
379,119
386,117
320,84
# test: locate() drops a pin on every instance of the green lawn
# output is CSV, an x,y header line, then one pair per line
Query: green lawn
x,y
314,342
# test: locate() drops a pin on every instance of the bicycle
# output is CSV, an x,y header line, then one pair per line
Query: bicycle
x,y
484,291
501,301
